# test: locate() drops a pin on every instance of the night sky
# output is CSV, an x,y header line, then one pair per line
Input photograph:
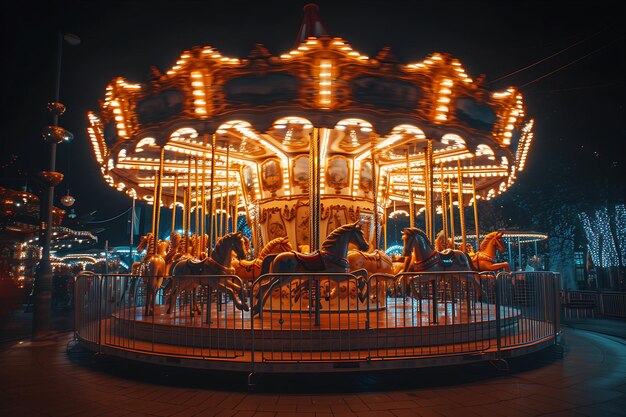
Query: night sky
x,y
573,87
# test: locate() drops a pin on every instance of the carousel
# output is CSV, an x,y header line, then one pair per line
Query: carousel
x,y
313,149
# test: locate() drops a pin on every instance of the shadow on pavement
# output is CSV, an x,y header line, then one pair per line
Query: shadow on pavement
x,y
308,383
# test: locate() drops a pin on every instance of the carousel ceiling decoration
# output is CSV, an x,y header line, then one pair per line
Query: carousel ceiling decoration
x,y
247,124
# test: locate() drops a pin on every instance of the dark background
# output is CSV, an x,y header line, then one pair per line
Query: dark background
x,y
575,92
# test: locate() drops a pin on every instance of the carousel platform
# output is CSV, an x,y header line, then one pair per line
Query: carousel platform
x,y
404,335
452,325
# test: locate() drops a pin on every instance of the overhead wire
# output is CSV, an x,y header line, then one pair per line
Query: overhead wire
x,y
567,65
112,218
545,59
551,56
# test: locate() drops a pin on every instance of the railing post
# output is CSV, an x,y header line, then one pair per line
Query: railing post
x,y
434,302
557,305
100,313
601,304
498,318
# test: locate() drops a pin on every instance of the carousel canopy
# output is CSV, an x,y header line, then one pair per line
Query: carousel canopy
x,y
246,123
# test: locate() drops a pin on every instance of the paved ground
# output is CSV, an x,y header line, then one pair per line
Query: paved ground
x,y
586,376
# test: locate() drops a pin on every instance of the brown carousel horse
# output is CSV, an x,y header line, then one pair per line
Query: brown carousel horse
x,y
219,263
484,259
421,256
330,258
248,271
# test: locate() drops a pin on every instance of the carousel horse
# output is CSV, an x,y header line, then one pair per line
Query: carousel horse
x,y
398,263
152,271
219,263
421,256
374,262
485,258
441,244
330,258
248,271
165,249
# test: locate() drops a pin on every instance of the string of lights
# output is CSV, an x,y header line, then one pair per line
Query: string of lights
x,y
598,232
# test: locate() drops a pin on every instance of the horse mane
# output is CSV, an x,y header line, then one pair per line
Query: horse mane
x,y
220,240
335,234
271,244
415,230
486,240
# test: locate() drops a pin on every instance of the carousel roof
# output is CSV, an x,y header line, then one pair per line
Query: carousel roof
x,y
258,112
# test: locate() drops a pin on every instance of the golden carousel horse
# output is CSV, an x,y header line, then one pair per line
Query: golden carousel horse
x,y
166,249
219,263
152,270
441,244
485,258
421,256
374,262
330,258
248,271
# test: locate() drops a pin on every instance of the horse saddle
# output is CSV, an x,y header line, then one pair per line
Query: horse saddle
x,y
195,265
244,263
447,256
310,261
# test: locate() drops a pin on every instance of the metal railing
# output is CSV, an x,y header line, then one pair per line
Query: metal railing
x,y
321,317
582,304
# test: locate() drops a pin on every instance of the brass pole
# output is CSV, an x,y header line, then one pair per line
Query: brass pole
x,y
174,203
475,214
211,195
451,195
461,205
152,247
235,208
431,191
227,186
203,206
408,183
183,220
385,209
375,201
188,210
221,216
197,216
158,201
444,209
426,195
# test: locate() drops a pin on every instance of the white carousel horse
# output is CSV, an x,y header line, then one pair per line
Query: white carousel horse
x,y
219,263
330,258
485,258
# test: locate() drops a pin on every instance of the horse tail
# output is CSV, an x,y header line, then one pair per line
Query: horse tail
x,y
267,262
469,261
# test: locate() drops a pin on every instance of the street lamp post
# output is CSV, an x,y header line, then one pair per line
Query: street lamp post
x,y
54,134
